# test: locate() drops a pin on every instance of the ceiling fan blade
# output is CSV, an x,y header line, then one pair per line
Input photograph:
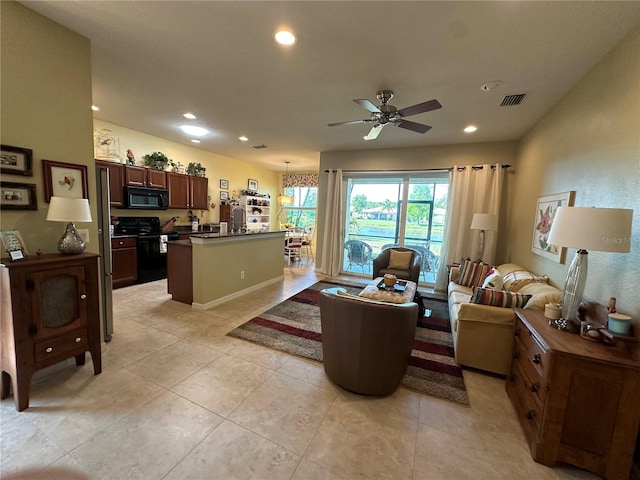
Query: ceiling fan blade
x,y
367,105
420,108
350,122
374,132
413,126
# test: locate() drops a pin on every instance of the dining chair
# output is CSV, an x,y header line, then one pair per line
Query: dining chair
x,y
293,247
307,242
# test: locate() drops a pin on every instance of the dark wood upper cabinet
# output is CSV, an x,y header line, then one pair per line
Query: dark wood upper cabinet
x,y
156,178
198,193
135,176
178,186
116,182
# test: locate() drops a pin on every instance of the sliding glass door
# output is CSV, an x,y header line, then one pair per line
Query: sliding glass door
x,y
390,210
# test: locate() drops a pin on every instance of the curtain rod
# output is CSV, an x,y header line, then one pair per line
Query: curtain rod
x,y
475,167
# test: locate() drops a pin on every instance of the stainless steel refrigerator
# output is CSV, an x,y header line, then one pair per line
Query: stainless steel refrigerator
x,y
104,238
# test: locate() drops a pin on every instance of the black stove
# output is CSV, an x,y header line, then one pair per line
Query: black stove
x,y
141,226
151,245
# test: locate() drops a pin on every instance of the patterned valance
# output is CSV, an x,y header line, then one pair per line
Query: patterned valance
x,y
300,180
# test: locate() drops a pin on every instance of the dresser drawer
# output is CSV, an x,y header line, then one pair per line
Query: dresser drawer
x,y
123,242
532,350
528,413
62,345
533,381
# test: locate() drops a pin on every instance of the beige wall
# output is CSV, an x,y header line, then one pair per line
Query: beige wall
x,y
46,100
441,156
217,166
590,143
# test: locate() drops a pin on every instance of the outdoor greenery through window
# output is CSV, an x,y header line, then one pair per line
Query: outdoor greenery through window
x,y
396,210
302,213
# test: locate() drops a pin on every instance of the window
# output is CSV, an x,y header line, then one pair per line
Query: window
x,y
408,210
302,213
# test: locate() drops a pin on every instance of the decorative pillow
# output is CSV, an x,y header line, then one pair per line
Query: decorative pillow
x,y
510,267
514,281
498,298
472,274
541,294
493,280
400,260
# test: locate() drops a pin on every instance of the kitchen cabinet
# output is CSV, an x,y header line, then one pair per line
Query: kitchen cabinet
x,y
576,400
225,213
116,182
187,191
49,312
124,261
145,177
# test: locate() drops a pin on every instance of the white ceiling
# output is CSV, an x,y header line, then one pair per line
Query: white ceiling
x,y
153,61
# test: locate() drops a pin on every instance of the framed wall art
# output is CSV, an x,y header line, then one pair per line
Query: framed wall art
x,y
64,180
224,184
253,185
18,196
224,195
16,160
546,208
13,244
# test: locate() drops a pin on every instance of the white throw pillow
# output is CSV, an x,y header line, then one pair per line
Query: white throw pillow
x,y
494,280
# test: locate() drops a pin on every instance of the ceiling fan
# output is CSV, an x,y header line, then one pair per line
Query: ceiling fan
x,y
388,114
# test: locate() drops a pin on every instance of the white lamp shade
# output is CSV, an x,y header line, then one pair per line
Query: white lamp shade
x,y
589,228
484,221
63,209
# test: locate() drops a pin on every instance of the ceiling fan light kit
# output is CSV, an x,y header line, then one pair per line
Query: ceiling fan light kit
x,y
386,114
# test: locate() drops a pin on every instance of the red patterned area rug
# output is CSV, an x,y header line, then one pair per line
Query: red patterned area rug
x,y
293,326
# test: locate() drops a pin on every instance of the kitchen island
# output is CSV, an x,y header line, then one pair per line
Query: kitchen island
x,y
210,268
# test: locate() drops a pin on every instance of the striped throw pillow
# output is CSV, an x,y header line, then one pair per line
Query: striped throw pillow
x,y
472,274
499,298
514,281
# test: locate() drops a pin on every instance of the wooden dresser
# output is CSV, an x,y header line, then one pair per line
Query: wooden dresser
x,y
49,312
577,400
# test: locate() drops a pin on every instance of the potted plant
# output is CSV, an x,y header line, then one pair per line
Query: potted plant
x,y
196,169
157,160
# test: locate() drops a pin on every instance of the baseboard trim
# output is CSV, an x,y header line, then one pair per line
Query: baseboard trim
x,y
218,301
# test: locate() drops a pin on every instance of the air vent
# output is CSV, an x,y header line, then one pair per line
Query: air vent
x,y
511,100
258,146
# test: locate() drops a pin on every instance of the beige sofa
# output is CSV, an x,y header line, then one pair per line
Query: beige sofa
x,y
483,334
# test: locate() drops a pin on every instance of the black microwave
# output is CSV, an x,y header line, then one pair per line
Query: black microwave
x,y
146,198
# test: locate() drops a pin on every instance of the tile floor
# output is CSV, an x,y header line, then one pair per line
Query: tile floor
x,y
178,399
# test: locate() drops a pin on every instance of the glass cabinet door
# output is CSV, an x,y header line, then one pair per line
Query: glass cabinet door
x,y
59,301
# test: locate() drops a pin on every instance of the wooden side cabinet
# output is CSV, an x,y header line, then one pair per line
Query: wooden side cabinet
x,y
576,400
50,312
124,260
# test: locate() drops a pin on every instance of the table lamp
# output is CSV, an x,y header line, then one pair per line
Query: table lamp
x,y
599,229
63,209
482,222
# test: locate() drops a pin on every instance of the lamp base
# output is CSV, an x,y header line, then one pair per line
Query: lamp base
x,y
71,242
565,325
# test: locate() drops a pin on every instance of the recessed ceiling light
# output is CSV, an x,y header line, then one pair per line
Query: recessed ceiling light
x,y
195,140
284,37
470,129
95,108
193,130
189,116
487,87
243,139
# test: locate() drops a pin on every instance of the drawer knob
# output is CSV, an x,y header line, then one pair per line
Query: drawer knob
x,y
513,377
49,349
517,333
537,359
78,339
83,296
535,387
530,415
516,355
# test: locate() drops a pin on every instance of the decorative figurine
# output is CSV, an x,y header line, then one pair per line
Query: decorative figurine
x,y
612,305
131,160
